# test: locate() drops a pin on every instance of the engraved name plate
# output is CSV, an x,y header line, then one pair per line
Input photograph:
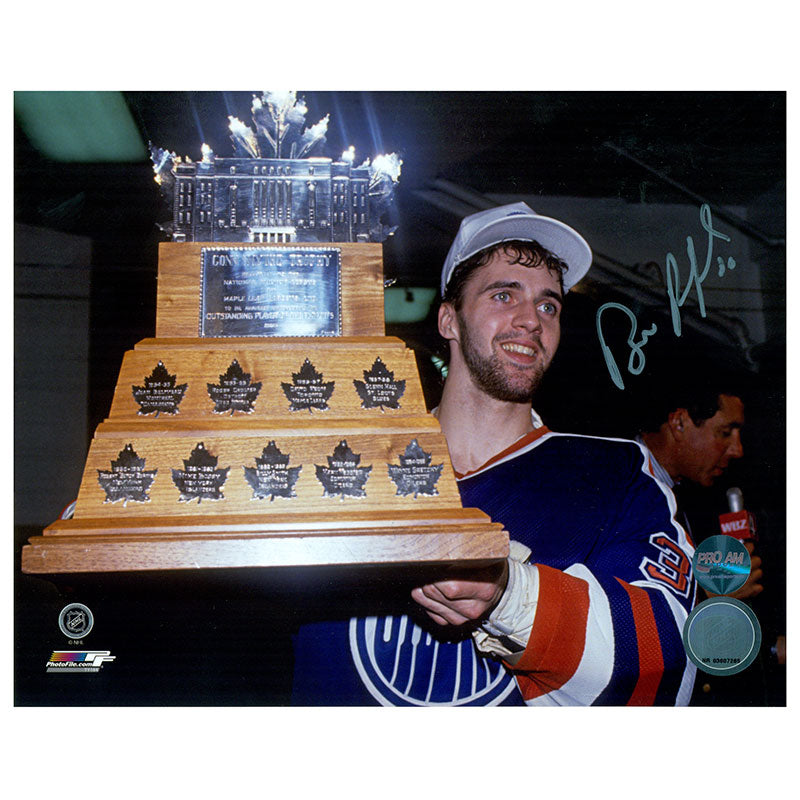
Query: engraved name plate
x,y
200,479
415,475
379,389
270,291
308,390
160,393
127,479
272,476
234,392
343,477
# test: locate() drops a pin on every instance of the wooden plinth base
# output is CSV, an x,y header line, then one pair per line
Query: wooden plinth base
x,y
161,543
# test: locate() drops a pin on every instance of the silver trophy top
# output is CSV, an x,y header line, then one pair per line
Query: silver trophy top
x,y
274,188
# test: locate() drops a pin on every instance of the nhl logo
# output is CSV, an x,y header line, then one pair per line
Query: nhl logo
x,y
75,620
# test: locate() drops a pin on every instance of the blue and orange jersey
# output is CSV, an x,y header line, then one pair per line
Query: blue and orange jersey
x,y
615,588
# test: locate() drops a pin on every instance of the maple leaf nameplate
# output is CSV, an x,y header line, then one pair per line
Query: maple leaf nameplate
x,y
270,291
268,473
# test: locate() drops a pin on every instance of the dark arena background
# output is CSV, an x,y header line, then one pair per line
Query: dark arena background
x,y
633,172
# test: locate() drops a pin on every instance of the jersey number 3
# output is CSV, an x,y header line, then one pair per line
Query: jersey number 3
x,y
672,567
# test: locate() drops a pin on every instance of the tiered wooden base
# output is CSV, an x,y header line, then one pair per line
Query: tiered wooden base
x,y
226,453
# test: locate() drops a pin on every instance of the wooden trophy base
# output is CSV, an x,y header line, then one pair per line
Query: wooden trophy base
x,y
265,452
215,542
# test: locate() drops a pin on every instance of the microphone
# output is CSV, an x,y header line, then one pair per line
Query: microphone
x,y
738,522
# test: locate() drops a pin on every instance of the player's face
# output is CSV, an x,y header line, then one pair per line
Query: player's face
x,y
708,448
508,327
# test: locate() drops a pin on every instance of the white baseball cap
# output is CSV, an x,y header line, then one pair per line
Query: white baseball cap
x,y
518,221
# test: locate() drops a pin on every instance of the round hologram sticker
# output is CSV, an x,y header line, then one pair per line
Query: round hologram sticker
x,y
721,564
722,636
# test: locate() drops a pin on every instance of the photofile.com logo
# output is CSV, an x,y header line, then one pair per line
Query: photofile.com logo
x,y
78,660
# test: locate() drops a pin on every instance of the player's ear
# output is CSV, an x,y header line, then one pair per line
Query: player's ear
x,y
676,422
448,321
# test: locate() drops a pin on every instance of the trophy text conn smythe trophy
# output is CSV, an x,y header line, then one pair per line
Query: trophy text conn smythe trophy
x,y
270,422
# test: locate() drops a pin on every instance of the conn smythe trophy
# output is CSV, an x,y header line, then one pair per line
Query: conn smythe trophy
x,y
270,422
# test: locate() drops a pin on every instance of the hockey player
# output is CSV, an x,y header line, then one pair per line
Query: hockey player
x,y
590,606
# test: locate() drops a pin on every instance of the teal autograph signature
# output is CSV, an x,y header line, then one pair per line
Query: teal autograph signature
x,y
677,298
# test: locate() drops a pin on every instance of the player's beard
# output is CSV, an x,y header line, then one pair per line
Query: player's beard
x,y
490,375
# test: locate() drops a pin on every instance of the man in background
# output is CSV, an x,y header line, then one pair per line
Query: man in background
x,y
693,432
691,421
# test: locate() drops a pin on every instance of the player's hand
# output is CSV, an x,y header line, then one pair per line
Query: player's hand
x,y
468,596
752,586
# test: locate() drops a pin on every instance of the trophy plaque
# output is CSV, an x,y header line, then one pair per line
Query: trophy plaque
x,y
270,421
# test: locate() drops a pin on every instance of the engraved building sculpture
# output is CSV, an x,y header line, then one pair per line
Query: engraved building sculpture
x,y
273,189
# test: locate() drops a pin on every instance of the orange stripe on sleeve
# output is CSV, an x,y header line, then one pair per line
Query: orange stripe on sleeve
x,y
556,644
651,660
